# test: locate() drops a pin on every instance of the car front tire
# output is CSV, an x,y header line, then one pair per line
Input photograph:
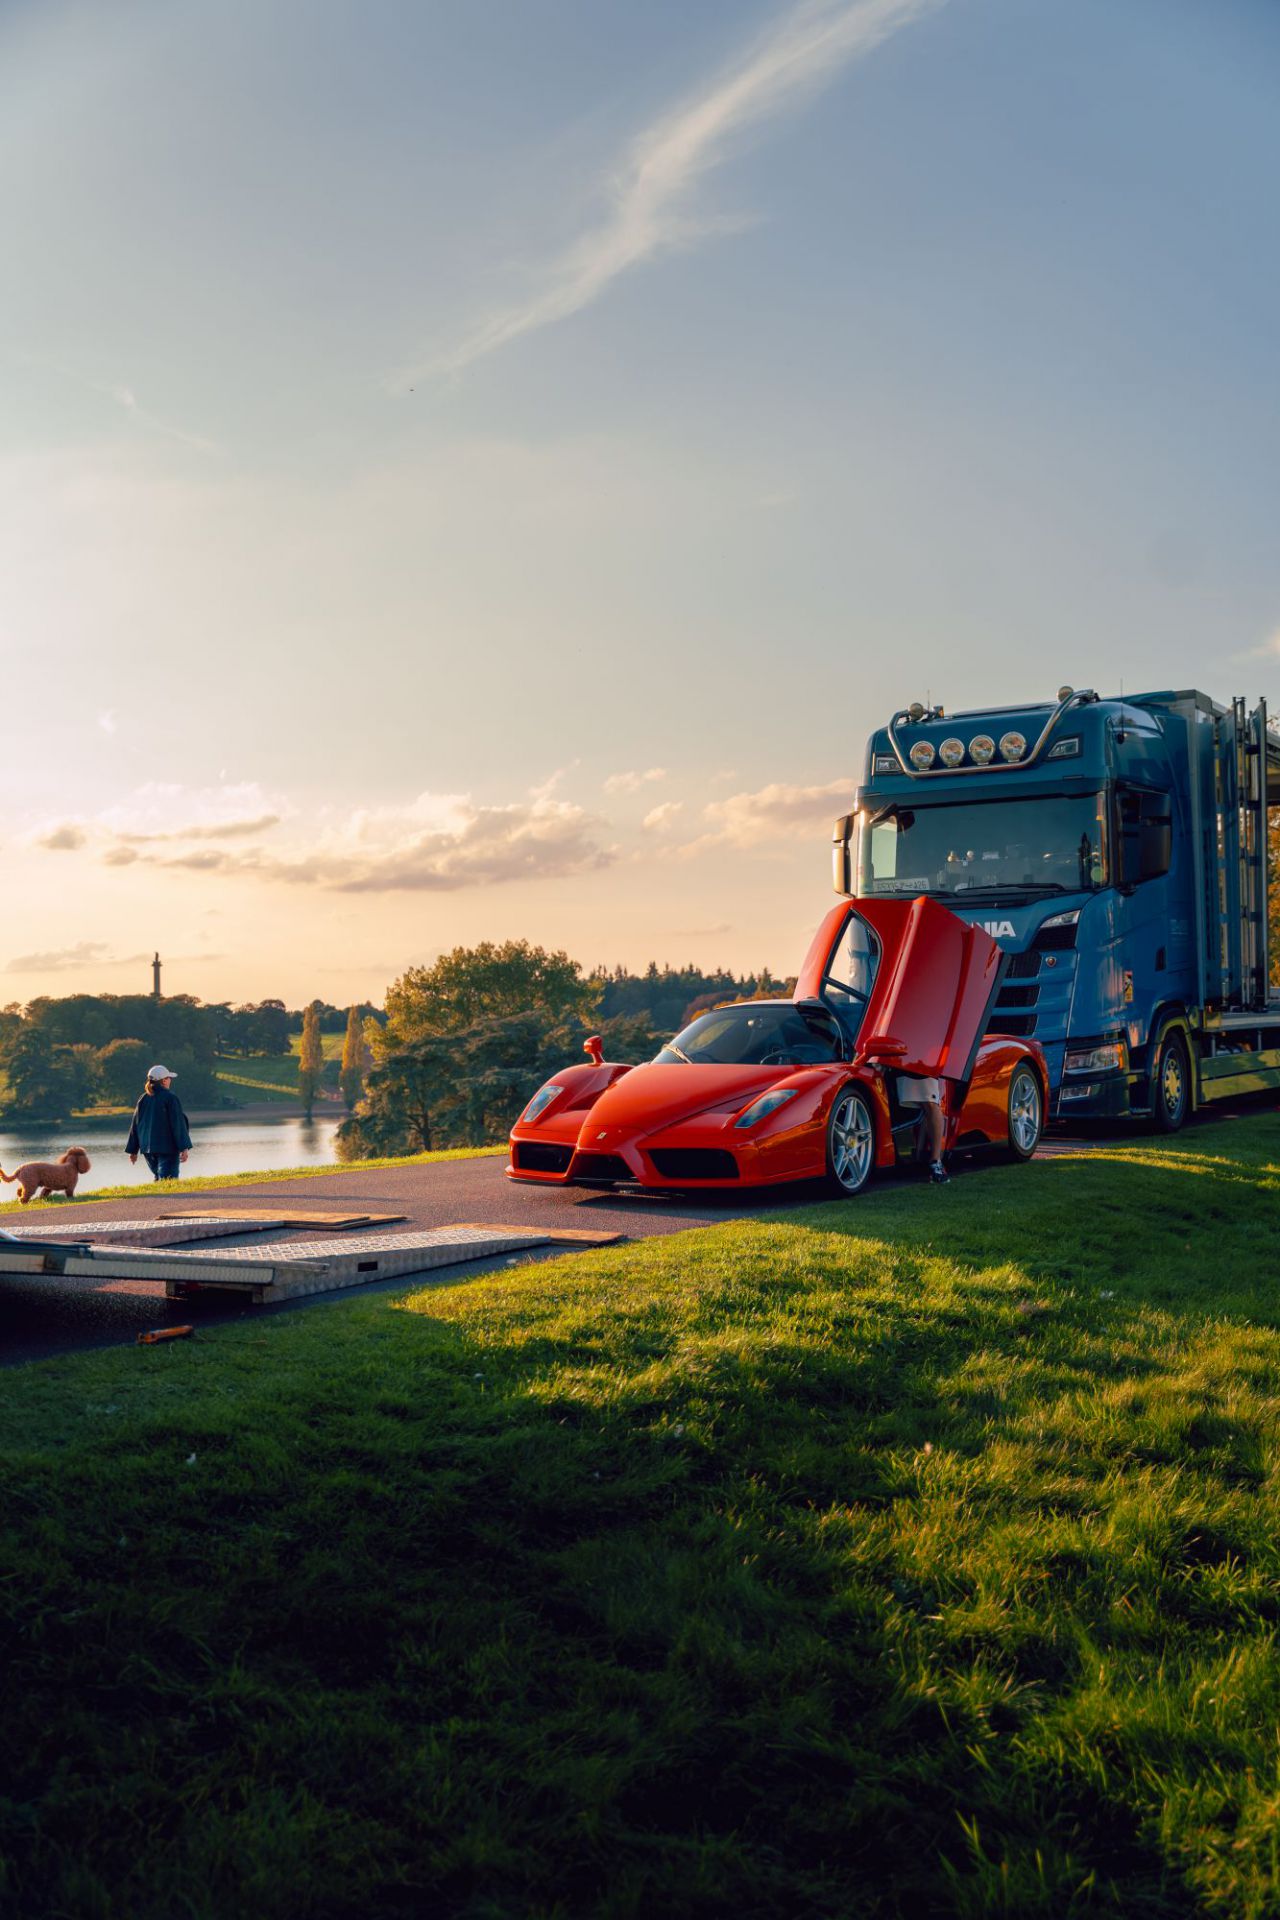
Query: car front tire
x,y
1026,1112
851,1143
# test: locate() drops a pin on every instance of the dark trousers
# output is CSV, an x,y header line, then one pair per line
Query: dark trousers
x,y
164,1166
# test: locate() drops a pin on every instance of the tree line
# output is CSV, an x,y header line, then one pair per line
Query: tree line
x,y
447,1062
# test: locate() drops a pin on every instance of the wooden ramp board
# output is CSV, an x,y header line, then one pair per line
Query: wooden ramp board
x,y
286,1216
276,1270
552,1236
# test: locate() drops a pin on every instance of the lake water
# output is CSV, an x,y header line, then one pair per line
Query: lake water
x,y
229,1146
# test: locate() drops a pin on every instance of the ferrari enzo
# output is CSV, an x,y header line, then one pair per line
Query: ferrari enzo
x,y
766,1091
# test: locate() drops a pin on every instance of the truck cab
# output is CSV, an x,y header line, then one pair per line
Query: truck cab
x,y
1116,849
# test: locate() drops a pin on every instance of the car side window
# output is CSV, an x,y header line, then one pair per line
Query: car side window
x,y
852,969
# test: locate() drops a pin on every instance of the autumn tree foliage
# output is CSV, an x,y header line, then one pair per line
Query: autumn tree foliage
x,y
310,1058
355,1059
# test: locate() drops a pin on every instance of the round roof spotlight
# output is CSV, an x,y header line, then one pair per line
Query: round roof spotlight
x,y
922,756
915,712
951,752
1065,693
982,749
1012,746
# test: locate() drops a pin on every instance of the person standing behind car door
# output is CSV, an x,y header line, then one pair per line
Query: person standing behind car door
x,y
159,1131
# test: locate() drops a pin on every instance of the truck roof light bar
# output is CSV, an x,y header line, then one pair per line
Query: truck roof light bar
x,y
1077,696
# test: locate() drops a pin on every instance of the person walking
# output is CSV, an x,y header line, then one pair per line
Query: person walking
x,y
159,1131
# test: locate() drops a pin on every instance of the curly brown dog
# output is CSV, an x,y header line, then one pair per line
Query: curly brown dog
x,y
50,1176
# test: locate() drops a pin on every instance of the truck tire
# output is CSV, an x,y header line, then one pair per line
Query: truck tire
x,y
1026,1112
1171,1088
851,1143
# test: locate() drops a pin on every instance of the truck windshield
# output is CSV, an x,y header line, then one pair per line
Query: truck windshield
x,y
1052,844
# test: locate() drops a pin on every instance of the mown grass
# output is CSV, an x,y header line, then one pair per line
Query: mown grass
x,y
274,1077
211,1182
912,1556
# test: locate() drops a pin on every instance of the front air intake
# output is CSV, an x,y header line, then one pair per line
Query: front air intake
x,y
540,1156
604,1167
694,1163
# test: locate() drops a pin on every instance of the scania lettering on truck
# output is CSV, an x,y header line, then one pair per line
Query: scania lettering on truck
x,y
1117,850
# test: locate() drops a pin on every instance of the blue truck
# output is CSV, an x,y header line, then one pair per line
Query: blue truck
x,y
1117,850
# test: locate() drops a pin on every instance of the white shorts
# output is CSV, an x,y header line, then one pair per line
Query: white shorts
x,y
916,1091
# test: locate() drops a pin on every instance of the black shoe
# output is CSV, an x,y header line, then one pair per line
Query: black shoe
x,y
938,1174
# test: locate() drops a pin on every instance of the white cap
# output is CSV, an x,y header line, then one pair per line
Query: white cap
x,y
161,1073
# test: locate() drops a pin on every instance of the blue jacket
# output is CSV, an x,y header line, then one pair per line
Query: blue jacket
x,y
159,1124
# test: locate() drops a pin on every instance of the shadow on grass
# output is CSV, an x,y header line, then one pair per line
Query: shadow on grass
x,y
769,1569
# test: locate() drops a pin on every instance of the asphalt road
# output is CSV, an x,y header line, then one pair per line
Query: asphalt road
x,y
44,1316
48,1315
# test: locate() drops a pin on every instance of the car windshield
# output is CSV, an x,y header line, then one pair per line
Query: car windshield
x,y
757,1033
1055,844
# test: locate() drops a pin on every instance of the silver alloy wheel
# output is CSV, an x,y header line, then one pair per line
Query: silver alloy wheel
x,y
851,1142
1025,1113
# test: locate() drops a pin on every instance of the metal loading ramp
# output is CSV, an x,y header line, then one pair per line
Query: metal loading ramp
x,y
281,1269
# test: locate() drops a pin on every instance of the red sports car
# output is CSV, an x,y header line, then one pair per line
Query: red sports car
x,y
766,1091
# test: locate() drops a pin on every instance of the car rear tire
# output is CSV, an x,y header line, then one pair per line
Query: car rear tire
x,y
1171,1094
1026,1112
851,1143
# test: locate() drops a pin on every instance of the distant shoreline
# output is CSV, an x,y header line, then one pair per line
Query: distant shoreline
x,y
198,1116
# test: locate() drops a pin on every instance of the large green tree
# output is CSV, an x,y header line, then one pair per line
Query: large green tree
x,y
48,1082
479,983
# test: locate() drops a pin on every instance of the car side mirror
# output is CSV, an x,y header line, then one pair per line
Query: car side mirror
x,y
882,1046
595,1048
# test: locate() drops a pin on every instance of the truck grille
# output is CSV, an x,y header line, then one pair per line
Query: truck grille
x,y
1022,966
1020,1026
1055,939
1017,997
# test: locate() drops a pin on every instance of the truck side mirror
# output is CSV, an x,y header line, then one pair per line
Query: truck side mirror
x,y
1155,845
1145,841
842,855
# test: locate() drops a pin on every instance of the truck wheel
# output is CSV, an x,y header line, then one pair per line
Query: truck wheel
x,y
1026,1113
1171,1095
851,1143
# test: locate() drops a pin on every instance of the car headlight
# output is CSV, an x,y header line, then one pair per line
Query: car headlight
x,y
540,1102
1067,919
767,1103
1095,1059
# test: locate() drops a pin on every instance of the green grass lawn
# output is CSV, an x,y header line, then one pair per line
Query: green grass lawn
x,y
918,1555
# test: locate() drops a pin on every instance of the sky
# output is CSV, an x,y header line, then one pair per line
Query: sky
x,y
475,469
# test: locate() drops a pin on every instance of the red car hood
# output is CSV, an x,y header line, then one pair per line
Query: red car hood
x,y
655,1096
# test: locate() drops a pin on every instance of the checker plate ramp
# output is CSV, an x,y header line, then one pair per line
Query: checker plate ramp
x,y
148,1233
274,1270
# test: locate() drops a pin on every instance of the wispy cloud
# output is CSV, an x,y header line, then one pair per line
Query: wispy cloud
x,y
659,818
774,813
651,189
121,395
632,781
67,838
85,953
437,843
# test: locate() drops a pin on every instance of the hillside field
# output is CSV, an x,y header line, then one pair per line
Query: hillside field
x,y
914,1555
275,1076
